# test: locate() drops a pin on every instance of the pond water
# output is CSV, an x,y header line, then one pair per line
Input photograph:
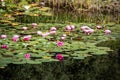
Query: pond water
x,y
57,40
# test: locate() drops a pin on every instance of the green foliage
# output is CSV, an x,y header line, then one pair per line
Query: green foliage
x,y
44,49
77,45
78,69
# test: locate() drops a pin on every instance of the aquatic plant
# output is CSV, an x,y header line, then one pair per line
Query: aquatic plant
x,y
53,29
3,36
39,33
24,28
107,32
15,38
34,25
4,46
59,43
43,46
27,56
27,38
98,27
59,57
33,42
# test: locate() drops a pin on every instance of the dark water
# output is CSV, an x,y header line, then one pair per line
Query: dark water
x,y
105,67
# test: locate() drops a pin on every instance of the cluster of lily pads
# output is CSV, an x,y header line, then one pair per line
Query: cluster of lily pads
x,y
32,44
44,42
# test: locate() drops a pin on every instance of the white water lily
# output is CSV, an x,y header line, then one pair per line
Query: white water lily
x,y
26,7
39,32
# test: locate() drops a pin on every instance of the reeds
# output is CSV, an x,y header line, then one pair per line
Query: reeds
x,y
80,10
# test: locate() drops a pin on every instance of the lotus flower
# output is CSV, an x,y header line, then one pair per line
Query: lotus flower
x,y
3,36
15,38
24,28
107,32
53,29
59,43
4,46
27,56
59,57
27,38
34,25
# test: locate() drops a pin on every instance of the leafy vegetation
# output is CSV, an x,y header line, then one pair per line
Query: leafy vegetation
x,y
44,49
32,47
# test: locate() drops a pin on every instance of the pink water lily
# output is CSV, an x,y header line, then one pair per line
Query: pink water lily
x,y
59,43
98,27
107,32
52,32
15,38
34,25
91,31
88,31
24,28
59,57
27,56
68,28
45,34
63,38
85,28
53,29
3,36
4,46
64,35
27,38
72,27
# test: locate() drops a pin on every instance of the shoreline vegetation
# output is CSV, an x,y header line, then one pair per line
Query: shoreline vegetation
x,y
102,11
